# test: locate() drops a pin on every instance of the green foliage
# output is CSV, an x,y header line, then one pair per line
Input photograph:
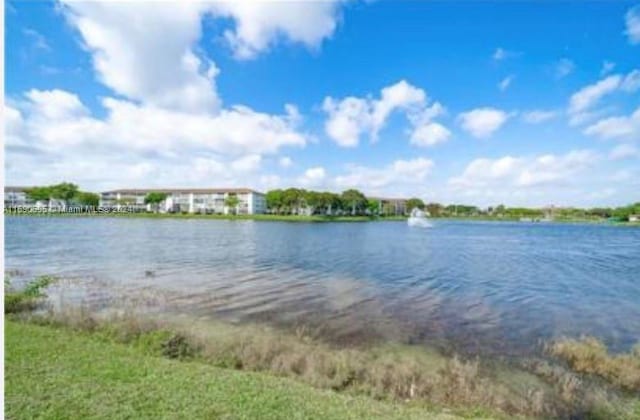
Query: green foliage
x,y
64,191
354,200
232,202
87,199
413,203
155,197
39,193
27,298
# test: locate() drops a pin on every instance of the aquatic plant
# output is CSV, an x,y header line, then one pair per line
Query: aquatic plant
x,y
28,298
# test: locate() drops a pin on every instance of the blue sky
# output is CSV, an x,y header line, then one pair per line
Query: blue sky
x,y
523,103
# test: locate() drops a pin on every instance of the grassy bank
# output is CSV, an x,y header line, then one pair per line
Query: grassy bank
x,y
73,359
309,219
401,380
256,217
58,373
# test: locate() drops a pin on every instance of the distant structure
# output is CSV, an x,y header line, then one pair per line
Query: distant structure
x,y
18,197
188,200
392,206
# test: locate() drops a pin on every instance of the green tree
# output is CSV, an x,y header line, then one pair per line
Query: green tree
x,y
87,198
413,203
155,198
232,202
64,191
355,200
373,206
435,209
39,193
274,199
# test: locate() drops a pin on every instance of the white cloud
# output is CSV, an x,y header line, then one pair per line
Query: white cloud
x,y
430,134
631,82
248,163
624,151
620,127
632,20
607,67
538,116
564,67
505,83
398,177
582,101
146,53
57,127
523,172
483,122
589,95
351,117
313,177
39,41
501,54
285,161
259,24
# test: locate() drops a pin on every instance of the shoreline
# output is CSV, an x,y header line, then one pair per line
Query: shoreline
x,y
311,219
401,377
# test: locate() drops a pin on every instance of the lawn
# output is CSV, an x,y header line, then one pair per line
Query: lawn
x,y
57,373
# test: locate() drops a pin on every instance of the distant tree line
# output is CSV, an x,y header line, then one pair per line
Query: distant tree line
x,y
349,202
66,192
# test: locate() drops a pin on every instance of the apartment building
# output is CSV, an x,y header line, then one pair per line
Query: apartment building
x,y
392,206
189,200
18,197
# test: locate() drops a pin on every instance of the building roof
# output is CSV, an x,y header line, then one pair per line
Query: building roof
x,y
182,190
15,189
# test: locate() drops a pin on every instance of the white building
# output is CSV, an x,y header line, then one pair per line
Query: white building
x,y
189,200
17,197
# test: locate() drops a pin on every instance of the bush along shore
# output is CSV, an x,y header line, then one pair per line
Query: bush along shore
x,y
579,379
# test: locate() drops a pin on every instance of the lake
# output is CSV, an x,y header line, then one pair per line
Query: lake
x,y
489,287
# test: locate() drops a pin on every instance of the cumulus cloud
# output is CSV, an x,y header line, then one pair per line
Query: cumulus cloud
x,y
352,117
56,126
482,122
632,20
430,134
259,24
389,179
146,53
538,116
523,172
620,127
313,177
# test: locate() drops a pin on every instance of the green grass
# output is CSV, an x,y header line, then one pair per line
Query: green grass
x,y
57,373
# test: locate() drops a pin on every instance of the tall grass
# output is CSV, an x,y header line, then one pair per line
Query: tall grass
x,y
388,371
589,355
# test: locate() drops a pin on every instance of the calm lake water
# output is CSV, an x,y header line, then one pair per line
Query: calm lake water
x,y
481,286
